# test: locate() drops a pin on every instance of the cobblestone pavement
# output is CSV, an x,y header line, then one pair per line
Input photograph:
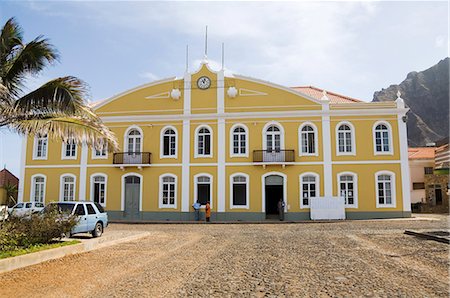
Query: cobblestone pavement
x,y
344,259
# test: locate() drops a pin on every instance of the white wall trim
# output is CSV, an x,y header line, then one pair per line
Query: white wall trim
x,y
353,138
92,187
141,183
61,189
263,191
211,188
186,146
316,139
355,188
327,160
393,189
405,174
23,159
197,129
161,139
317,176
83,171
391,144
247,191
231,147
221,152
264,133
32,190
160,193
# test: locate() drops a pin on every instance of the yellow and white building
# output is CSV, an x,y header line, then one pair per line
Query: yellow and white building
x,y
240,142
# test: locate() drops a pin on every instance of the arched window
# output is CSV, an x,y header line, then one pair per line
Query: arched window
x,y
239,193
167,191
203,188
345,139
98,188
38,188
308,139
309,188
134,141
273,138
382,138
40,147
348,189
203,142
67,190
239,141
385,184
169,142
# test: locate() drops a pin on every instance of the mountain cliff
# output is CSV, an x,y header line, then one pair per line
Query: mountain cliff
x,y
426,93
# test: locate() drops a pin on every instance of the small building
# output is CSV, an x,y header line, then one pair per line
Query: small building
x,y
7,179
437,181
421,162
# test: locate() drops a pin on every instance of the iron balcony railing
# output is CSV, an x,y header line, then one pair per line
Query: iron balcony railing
x,y
132,158
273,155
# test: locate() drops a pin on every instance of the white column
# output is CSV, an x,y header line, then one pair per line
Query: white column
x,y
23,158
403,141
326,144
220,143
83,170
186,158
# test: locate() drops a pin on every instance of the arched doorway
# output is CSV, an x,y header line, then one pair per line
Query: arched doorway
x,y
132,196
274,191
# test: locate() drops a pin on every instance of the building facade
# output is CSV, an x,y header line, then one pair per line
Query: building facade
x,y
421,163
239,142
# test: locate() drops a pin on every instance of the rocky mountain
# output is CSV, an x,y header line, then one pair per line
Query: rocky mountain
x,y
426,93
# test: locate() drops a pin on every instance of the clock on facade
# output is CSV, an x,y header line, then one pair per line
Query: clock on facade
x,y
203,83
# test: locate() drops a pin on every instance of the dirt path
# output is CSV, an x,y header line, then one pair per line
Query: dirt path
x,y
343,260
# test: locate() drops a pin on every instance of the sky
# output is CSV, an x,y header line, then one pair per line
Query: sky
x,y
352,48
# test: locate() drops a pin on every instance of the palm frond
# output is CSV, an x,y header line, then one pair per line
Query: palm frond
x,y
59,126
11,37
29,60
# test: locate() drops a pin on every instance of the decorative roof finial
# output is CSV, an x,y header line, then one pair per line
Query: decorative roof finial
x,y
398,93
324,92
324,97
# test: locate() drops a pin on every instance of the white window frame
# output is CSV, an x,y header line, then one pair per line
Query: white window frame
x,y
92,186
125,136
355,188
211,188
61,187
352,138
35,147
264,134
232,154
63,150
33,187
247,191
393,190
161,149
167,206
391,144
94,151
196,154
317,176
316,140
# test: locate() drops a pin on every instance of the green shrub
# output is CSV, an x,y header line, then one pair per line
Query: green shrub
x,y
23,232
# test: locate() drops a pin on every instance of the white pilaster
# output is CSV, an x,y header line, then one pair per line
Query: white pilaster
x,y
220,143
326,144
23,158
83,172
186,158
403,142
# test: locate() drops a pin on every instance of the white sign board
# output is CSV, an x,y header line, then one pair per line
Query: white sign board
x,y
327,208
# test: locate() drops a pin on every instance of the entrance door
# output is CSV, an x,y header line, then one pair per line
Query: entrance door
x,y
132,196
438,194
274,192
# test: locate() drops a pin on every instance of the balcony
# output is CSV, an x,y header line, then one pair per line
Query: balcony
x,y
132,158
274,156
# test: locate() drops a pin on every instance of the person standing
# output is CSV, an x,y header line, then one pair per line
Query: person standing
x,y
207,211
281,209
196,207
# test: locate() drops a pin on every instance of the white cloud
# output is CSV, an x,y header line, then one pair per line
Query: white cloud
x,y
149,76
439,41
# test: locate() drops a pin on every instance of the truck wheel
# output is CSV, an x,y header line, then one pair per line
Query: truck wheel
x,y
98,231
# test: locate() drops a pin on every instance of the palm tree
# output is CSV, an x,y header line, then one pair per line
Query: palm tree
x,y
57,108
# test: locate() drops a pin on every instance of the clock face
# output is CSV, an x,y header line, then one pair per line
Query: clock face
x,y
204,83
